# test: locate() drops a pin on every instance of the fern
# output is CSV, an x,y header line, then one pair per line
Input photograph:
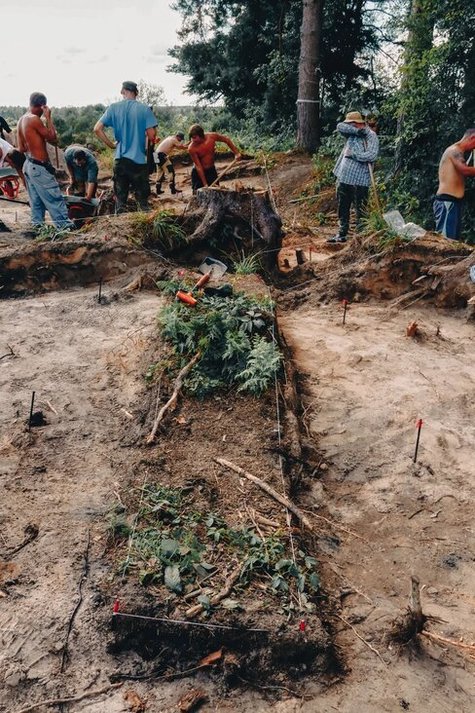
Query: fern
x,y
262,364
229,334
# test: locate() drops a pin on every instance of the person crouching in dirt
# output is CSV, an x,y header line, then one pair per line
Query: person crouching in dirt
x,y
353,171
201,150
131,122
165,166
42,186
449,199
82,169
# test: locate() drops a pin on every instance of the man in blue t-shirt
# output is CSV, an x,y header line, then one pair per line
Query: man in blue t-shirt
x,y
131,122
82,169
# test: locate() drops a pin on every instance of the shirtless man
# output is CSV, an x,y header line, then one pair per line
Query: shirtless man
x,y
449,199
42,186
201,150
161,156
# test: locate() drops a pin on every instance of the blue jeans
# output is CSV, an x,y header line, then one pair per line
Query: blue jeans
x,y
45,195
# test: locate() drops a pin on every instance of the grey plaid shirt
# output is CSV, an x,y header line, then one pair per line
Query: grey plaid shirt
x,y
361,148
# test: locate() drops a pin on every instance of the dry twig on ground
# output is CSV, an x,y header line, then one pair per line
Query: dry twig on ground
x,y
173,398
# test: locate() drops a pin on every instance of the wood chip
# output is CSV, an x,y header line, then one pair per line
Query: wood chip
x,y
191,700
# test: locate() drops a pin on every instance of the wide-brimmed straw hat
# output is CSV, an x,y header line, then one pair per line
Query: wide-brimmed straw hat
x,y
354,117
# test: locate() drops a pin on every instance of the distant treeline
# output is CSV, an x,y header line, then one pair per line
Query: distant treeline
x,y
75,124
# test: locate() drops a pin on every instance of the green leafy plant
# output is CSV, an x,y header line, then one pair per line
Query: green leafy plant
x,y
262,364
175,546
51,233
160,229
225,331
247,265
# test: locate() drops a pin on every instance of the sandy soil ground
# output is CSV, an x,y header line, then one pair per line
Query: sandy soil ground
x,y
81,358
363,385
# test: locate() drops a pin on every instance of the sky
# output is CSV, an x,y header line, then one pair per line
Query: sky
x,y
79,52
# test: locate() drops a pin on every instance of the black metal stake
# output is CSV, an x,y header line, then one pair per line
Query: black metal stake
x,y
100,291
418,426
345,305
31,409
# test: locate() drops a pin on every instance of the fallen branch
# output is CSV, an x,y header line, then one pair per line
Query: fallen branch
x,y
173,398
407,296
305,198
442,640
269,490
75,699
299,514
10,353
78,603
366,643
219,596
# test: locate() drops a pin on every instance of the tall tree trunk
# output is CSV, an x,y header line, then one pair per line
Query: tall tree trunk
x,y
308,102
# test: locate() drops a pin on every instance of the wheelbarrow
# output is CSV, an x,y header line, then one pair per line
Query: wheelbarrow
x,y
9,182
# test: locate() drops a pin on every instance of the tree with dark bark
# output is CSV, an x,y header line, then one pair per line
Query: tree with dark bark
x,y
308,101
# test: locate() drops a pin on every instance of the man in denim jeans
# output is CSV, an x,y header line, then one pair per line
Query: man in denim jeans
x,y
353,171
131,122
43,189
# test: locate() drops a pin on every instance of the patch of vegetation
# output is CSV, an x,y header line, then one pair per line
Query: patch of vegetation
x,y
247,264
323,171
160,229
177,547
233,336
49,233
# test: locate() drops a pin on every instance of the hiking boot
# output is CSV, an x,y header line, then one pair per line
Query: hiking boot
x,y
158,189
30,234
337,239
174,189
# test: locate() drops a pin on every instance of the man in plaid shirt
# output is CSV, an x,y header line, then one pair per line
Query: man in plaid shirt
x,y
353,172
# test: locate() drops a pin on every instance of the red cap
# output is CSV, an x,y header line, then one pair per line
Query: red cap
x,y
419,423
302,625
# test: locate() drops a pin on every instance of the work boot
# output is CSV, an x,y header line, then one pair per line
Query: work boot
x,y
174,189
158,188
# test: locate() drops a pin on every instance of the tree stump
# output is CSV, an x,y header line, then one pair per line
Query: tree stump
x,y
248,211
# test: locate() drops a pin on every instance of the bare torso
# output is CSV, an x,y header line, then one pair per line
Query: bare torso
x,y
31,137
451,181
204,152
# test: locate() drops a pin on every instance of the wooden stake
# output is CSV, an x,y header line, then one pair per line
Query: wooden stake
x,y
173,398
31,410
345,307
418,426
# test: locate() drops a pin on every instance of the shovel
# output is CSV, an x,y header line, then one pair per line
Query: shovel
x,y
216,268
